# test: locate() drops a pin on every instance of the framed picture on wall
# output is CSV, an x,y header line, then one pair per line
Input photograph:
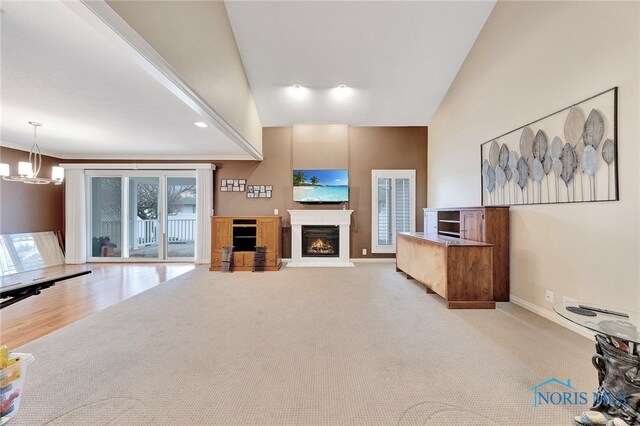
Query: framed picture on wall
x,y
233,185
259,191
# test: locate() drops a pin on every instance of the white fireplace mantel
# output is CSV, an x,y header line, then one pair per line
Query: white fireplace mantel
x,y
341,218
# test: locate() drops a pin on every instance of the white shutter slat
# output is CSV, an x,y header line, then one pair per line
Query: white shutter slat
x,y
403,205
384,211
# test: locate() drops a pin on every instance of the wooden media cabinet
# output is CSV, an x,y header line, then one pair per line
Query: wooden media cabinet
x,y
244,233
485,224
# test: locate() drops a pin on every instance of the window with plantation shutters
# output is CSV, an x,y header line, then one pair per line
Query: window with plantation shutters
x,y
393,207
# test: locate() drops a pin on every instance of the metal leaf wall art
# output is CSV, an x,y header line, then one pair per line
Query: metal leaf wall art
x,y
560,153
593,129
556,165
569,166
609,155
574,125
513,167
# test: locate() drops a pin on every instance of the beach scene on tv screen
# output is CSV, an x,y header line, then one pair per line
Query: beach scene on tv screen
x,y
320,185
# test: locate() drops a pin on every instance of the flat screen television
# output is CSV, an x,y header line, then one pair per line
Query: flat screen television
x,y
320,186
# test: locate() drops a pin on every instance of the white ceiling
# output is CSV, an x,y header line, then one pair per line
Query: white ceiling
x,y
398,58
93,99
65,70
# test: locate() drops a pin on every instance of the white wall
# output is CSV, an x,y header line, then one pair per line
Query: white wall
x,y
531,59
196,38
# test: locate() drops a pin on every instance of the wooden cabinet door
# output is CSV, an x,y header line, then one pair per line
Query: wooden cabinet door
x,y
220,237
267,234
238,259
222,233
472,225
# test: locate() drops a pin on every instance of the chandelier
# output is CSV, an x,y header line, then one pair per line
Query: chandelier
x,y
28,171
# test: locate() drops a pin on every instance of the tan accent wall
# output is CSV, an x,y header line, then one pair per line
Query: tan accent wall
x,y
360,149
196,38
30,208
327,145
383,148
533,58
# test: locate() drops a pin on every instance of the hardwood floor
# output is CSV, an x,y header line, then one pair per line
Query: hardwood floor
x,y
74,299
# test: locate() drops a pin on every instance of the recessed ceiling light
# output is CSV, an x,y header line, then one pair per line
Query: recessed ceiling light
x,y
342,88
201,124
297,86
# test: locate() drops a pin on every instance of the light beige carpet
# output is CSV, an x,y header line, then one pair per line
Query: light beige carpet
x,y
357,345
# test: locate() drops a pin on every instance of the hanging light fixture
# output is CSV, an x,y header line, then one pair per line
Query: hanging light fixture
x,y
28,171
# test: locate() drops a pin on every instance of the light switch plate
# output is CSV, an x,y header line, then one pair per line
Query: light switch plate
x,y
275,211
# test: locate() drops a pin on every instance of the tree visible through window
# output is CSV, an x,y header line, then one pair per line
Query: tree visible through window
x,y
148,199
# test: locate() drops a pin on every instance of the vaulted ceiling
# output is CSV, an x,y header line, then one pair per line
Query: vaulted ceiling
x,y
69,71
396,58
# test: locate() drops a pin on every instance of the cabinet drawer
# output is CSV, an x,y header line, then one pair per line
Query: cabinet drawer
x,y
238,259
248,259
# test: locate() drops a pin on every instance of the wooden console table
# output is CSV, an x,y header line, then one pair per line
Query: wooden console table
x,y
459,270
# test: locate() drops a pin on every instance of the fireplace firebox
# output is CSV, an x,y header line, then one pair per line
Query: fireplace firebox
x,y
320,241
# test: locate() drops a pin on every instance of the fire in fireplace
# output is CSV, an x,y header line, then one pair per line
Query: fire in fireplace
x,y
320,241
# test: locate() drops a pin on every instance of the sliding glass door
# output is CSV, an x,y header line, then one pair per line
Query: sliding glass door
x,y
142,216
106,217
144,209
181,217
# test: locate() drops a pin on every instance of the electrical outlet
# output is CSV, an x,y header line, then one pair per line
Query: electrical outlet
x,y
549,296
567,299
364,252
275,211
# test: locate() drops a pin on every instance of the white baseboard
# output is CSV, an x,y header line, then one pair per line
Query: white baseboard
x,y
373,260
551,316
320,265
359,260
